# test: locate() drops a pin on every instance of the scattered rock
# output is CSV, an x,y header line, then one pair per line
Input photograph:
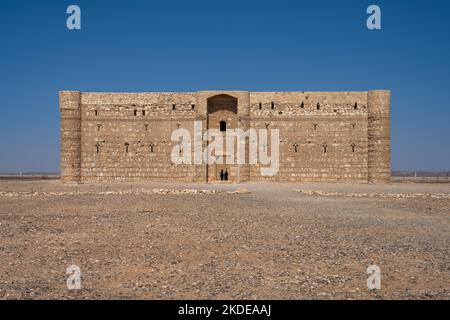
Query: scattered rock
x,y
375,195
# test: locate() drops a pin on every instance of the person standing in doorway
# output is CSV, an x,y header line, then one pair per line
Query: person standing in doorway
x,y
221,175
226,175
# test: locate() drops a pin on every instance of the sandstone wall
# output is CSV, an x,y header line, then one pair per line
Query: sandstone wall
x,y
324,136
132,132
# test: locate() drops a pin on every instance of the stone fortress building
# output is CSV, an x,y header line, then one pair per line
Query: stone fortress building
x,y
324,136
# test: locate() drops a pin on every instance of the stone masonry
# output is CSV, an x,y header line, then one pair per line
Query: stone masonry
x,y
324,136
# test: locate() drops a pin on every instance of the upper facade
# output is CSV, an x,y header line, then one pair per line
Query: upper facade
x,y
323,136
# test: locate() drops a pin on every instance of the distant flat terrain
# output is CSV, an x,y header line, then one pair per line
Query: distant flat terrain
x,y
224,241
29,176
421,176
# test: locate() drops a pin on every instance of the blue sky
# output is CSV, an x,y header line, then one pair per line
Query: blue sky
x,y
243,45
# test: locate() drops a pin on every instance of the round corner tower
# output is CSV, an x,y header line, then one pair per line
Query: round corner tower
x,y
379,136
70,110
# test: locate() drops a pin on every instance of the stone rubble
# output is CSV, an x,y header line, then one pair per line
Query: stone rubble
x,y
375,195
10,194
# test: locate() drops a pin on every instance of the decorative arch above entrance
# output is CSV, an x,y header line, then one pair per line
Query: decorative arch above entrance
x,y
242,99
222,102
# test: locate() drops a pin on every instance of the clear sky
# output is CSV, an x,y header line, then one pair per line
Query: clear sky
x,y
243,45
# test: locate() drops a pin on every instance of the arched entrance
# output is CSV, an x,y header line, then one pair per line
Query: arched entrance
x,y
222,114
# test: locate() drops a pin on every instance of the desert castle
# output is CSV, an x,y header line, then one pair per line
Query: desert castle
x,y
322,136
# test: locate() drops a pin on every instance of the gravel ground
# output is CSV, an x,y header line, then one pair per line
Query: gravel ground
x,y
191,241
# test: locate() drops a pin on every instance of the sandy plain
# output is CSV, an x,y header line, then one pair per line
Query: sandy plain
x,y
224,241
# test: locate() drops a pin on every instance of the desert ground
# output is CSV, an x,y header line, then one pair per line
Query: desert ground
x,y
224,241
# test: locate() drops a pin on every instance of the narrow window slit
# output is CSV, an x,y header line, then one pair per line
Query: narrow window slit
x,y
223,126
